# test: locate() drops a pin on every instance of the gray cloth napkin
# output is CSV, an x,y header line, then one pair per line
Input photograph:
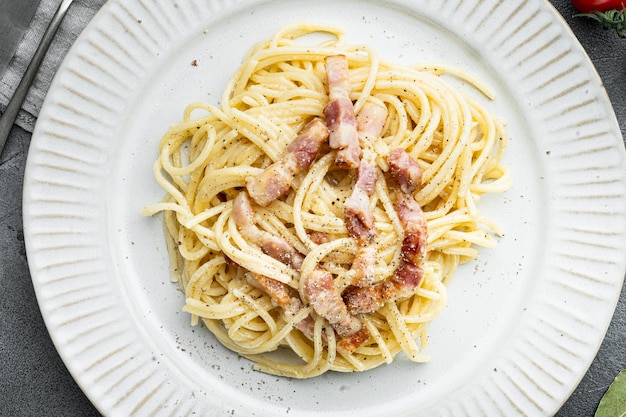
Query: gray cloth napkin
x,y
77,17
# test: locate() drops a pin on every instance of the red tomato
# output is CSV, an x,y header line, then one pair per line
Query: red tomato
x,y
588,6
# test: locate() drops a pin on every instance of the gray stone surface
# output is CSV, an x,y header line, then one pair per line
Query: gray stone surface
x,y
33,378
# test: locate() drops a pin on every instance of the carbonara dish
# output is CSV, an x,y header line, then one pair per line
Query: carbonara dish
x,y
315,216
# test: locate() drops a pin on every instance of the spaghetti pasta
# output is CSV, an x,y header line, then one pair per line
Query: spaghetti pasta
x,y
278,280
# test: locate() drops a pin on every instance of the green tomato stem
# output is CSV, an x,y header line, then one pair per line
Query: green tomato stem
x,y
611,19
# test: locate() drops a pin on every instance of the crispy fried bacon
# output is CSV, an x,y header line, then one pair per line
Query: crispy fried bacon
x,y
408,274
415,230
326,300
340,113
404,170
350,343
367,299
278,291
370,121
276,179
358,212
402,284
275,246
278,248
285,297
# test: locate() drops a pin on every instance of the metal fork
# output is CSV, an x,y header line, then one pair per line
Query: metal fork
x,y
13,108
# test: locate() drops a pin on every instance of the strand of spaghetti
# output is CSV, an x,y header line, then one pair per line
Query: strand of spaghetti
x,y
317,171
370,82
292,80
206,236
171,189
269,57
476,237
402,333
502,181
458,219
153,209
189,248
436,181
176,263
202,277
424,139
224,139
463,177
291,32
488,141
320,198
241,80
216,312
432,314
207,131
215,327
250,342
282,112
380,341
453,246
315,364
463,75
399,132
218,180
205,215
313,222
352,364
302,346
279,335
256,130
385,199
259,309
302,73
239,344
429,294
490,158
188,120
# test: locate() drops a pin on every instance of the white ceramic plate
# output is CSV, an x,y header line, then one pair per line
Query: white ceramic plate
x,y
523,322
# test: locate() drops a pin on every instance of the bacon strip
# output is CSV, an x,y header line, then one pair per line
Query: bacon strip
x,y
358,213
370,121
275,246
367,299
326,300
409,273
340,113
404,170
278,248
415,230
276,179
279,291
350,343
402,284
